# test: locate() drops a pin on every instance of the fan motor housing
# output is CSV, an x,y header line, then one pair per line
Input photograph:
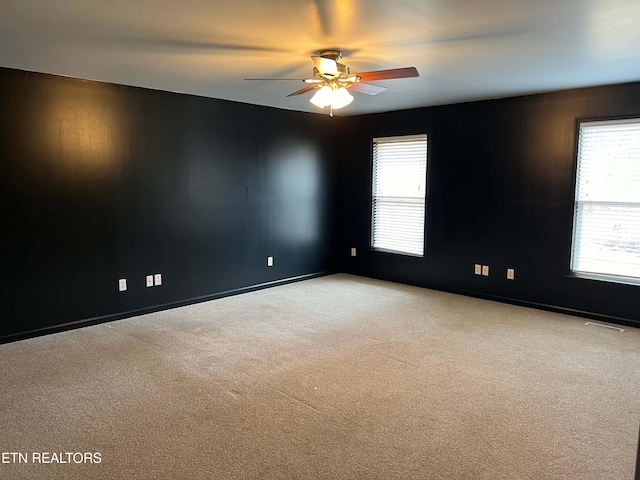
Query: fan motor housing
x,y
343,69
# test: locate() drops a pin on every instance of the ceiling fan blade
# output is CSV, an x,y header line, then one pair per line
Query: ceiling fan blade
x,y
406,72
326,66
302,90
367,88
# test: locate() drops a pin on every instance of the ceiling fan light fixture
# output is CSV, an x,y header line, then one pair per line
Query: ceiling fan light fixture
x,y
340,98
331,79
330,96
323,97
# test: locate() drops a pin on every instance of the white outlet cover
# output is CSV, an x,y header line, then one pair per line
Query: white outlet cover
x,y
477,269
149,280
269,261
122,284
157,279
511,274
485,270
353,251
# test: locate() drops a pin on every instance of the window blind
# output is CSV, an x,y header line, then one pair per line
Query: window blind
x,y
399,193
606,233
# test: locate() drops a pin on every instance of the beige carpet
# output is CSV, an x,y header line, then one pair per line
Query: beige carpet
x,y
339,377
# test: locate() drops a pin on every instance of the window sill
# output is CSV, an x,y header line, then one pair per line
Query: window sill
x,y
606,278
396,252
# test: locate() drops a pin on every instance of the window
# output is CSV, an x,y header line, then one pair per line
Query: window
x,y
606,227
399,193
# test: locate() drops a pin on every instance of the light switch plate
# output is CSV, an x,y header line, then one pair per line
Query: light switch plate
x,y
477,269
353,251
157,278
269,261
122,284
149,280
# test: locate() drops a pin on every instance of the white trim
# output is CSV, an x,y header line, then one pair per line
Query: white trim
x,y
604,123
403,138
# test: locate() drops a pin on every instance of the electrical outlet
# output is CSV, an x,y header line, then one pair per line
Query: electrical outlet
x,y
353,251
149,280
157,279
485,270
477,269
269,261
122,284
511,274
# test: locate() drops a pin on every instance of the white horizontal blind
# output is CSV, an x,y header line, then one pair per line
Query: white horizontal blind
x,y
606,233
399,192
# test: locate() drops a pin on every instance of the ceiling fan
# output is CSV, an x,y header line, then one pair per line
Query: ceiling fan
x,y
332,79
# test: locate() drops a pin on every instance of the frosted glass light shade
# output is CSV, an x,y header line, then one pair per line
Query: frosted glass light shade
x,y
334,97
341,98
322,98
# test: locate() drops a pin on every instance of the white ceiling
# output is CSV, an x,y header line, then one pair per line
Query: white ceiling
x,y
463,49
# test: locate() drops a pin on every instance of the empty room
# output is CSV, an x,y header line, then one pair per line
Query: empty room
x,y
320,239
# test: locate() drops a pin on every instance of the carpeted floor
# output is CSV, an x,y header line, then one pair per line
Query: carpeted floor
x,y
339,377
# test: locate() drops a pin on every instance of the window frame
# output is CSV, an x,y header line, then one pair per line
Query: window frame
x,y
602,277
388,136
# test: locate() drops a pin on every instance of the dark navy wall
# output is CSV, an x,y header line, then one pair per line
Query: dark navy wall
x,y
500,193
100,182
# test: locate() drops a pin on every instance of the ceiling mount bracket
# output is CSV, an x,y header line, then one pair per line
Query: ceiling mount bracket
x,y
332,54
